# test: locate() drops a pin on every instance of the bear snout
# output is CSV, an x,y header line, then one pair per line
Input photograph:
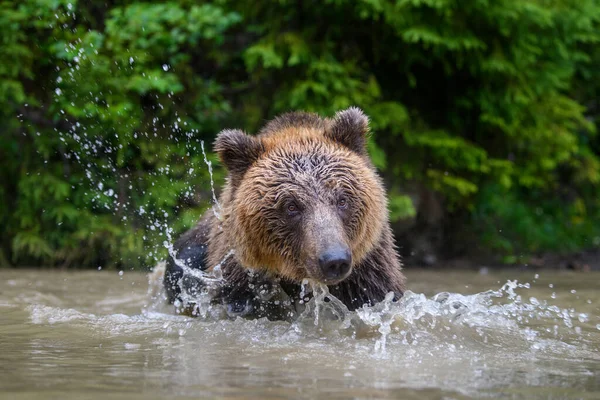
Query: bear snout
x,y
335,264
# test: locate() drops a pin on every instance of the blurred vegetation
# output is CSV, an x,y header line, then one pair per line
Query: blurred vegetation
x,y
484,116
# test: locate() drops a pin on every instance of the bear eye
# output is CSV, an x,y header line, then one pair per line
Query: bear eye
x,y
292,209
342,203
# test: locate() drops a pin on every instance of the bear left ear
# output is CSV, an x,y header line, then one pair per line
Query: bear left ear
x,y
237,151
350,128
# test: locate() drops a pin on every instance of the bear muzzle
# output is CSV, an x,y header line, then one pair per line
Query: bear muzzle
x,y
335,264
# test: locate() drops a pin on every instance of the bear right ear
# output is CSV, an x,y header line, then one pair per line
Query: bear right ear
x,y
237,151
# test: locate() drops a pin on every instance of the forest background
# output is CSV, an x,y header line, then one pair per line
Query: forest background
x,y
484,118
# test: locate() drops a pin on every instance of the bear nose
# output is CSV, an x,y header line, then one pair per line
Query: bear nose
x,y
335,263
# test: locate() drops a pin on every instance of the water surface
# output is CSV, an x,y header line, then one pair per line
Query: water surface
x,y
455,335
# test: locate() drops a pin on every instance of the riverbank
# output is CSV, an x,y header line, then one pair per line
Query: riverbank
x,y
582,261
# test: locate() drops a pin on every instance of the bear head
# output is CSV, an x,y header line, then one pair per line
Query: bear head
x,y
305,202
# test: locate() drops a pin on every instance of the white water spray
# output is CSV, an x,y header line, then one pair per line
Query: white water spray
x,y
212,185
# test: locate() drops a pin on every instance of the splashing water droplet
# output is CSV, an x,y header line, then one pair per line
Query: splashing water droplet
x,y
212,184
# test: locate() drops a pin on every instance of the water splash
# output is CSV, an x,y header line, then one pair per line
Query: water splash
x,y
212,185
451,322
98,143
201,303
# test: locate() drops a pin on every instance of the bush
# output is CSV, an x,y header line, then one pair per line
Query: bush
x,y
490,106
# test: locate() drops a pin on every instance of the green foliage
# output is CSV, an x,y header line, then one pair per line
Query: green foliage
x,y
493,106
514,224
106,154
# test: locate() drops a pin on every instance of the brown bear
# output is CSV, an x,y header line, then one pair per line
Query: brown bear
x,y
302,201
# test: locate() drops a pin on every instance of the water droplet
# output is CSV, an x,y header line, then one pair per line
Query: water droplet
x,y
165,67
58,91
534,301
120,273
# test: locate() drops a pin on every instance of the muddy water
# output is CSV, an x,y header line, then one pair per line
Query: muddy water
x,y
455,335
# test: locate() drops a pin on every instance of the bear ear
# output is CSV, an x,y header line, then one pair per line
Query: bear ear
x,y
350,128
237,151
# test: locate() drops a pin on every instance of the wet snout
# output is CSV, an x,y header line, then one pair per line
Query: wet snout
x,y
335,263
329,257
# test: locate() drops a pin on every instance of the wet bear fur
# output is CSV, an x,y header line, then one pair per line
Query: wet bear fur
x,y
303,185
